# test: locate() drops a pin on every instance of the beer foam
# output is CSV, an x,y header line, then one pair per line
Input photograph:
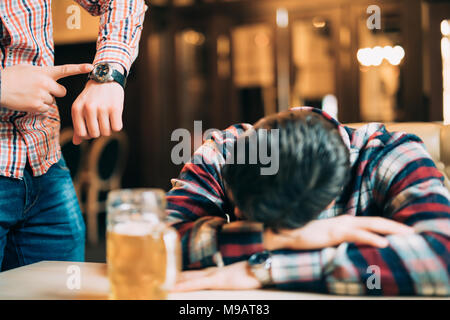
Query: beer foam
x,y
133,228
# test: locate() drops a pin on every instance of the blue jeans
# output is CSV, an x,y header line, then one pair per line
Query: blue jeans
x,y
40,219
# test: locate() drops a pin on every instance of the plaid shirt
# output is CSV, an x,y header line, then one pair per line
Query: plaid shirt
x,y
393,176
26,37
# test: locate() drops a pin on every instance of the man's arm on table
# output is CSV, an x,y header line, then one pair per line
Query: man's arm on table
x,y
411,191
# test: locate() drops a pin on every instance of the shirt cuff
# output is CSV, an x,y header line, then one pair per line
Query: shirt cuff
x,y
239,240
202,245
290,266
114,52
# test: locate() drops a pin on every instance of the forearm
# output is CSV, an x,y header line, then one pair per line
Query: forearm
x,y
211,240
414,264
120,31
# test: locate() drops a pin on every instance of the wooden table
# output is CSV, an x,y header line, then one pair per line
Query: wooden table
x,y
48,280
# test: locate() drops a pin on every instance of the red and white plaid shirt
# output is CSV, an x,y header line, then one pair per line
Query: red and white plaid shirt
x,y
26,37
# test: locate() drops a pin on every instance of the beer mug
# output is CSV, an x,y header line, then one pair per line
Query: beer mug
x,y
143,253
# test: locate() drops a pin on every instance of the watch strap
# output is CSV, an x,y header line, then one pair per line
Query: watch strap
x,y
119,78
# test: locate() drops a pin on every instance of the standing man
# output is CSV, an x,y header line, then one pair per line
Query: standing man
x,y
39,214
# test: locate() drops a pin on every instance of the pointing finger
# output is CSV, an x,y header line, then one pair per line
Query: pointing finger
x,y
67,70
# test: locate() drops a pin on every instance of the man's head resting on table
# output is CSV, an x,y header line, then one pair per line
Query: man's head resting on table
x,y
313,169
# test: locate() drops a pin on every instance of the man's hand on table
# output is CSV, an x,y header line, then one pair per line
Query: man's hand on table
x,y
33,88
98,110
316,234
236,276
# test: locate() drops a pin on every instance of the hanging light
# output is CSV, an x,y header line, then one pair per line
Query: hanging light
x,y
282,18
375,56
445,28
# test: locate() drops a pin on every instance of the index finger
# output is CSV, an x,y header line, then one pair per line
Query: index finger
x,y
67,70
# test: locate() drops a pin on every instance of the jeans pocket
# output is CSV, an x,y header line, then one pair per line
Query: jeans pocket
x,y
61,164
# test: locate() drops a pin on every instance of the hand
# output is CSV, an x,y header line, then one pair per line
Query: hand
x,y
235,276
97,110
332,232
32,88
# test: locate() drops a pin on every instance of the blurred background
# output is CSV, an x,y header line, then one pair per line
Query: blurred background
x,y
230,61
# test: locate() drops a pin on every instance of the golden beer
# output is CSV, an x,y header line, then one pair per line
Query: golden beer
x,y
143,255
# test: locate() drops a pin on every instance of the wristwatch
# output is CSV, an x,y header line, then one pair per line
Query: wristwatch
x,y
260,265
105,72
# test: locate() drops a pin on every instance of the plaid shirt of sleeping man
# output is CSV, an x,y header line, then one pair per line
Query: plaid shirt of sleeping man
x,y
392,171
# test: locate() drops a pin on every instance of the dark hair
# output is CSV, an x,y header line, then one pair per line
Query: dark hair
x,y
313,169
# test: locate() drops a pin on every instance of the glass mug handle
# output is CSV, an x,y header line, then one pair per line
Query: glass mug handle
x,y
170,237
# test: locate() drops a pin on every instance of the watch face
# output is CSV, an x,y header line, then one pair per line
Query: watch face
x,y
102,72
260,265
259,258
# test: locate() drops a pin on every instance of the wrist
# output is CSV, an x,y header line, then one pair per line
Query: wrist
x,y
259,265
117,66
105,72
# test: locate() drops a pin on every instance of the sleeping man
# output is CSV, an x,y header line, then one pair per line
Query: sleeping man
x,y
348,211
